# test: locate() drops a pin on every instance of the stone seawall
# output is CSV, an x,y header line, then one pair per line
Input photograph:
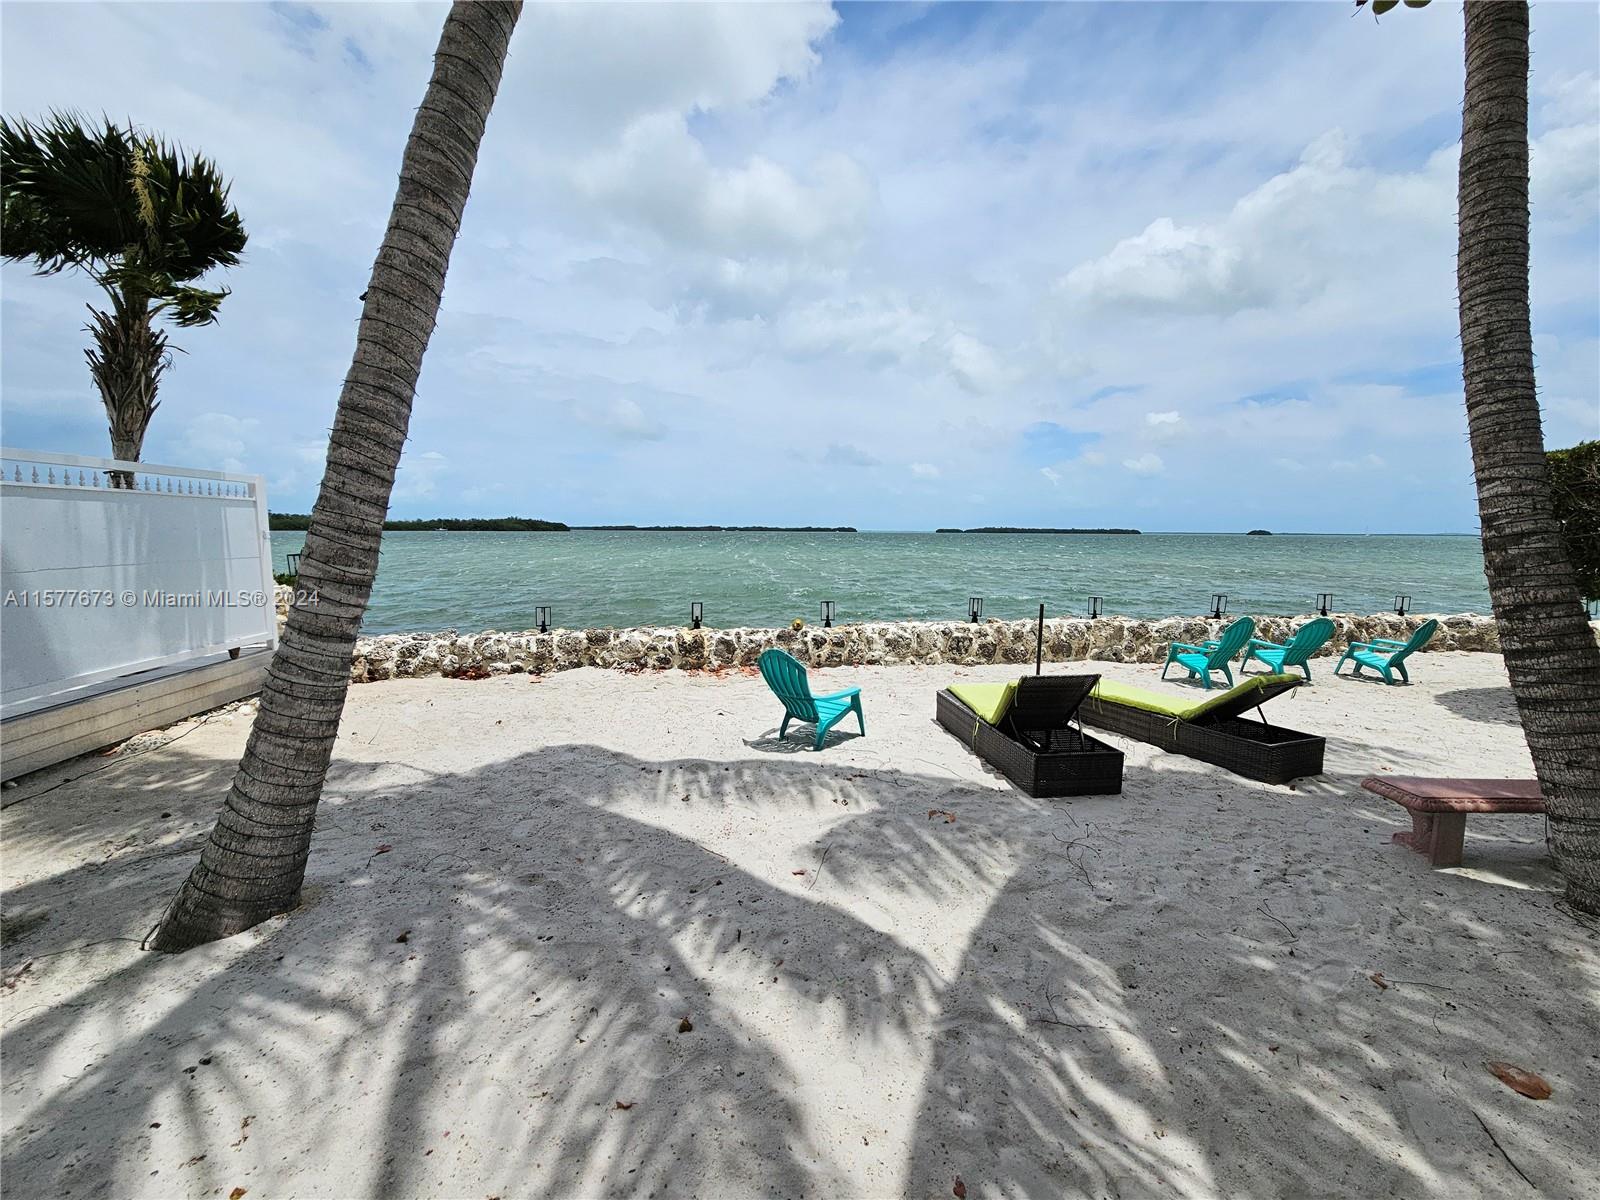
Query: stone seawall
x,y
876,643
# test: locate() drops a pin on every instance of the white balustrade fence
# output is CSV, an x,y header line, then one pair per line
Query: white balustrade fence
x,y
110,569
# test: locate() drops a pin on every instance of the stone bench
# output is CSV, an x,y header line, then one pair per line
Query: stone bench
x,y
1439,808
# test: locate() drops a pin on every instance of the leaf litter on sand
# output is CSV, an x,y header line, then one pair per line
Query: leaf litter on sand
x,y
1520,1080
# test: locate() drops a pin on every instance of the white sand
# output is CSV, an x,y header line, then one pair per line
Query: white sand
x,y
1163,993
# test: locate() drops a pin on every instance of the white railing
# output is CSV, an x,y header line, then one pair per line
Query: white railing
x,y
110,569
73,470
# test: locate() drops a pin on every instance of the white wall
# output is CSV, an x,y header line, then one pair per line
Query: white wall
x,y
99,583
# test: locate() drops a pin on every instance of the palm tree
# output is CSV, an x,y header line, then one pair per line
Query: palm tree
x,y
141,218
254,861
1550,652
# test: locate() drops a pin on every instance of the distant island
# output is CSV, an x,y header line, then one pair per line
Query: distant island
x,y
1259,533
722,528
302,521
1021,529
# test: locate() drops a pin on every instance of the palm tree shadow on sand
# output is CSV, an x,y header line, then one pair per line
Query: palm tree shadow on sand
x,y
509,1001
1109,1035
1490,705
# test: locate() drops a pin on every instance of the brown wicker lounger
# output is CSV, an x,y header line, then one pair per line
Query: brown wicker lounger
x,y
1439,808
1035,745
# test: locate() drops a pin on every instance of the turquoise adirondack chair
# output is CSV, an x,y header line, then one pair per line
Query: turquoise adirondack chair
x,y
1386,654
1296,652
1211,656
787,679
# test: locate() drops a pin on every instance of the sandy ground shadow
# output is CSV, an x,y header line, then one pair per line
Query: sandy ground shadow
x,y
1202,987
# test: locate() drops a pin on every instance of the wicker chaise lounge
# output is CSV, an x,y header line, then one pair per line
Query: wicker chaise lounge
x,y
1213,730
1023,730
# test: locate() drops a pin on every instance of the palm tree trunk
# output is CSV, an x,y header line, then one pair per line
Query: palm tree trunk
x,y
126,362
1550,653
252,866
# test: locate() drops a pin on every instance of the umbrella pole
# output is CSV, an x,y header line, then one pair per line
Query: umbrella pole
x,y
1038,657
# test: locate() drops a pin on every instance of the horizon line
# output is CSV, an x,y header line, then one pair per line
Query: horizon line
x,y
720,527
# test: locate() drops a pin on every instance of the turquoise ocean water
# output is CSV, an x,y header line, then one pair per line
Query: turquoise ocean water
x,y
476,581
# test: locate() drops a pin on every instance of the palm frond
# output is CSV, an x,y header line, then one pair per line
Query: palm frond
x,y
192,306
64,188
124,205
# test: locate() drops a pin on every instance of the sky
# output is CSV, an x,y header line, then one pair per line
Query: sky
x,y
1174,267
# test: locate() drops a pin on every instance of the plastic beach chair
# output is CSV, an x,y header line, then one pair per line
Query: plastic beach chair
x,y
787,678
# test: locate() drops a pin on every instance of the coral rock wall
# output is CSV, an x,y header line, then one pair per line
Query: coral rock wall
x,y
877,643
1118,639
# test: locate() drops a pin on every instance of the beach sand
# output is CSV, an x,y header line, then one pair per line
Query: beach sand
x,y
522,893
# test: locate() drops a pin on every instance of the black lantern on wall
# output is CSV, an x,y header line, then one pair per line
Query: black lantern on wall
x,y
542,615
697,612
1324,602
828,609
1401,603
1219,605
1095,607
975,608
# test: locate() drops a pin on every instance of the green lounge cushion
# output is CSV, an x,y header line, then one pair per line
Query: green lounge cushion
x,y
989,700
1181,707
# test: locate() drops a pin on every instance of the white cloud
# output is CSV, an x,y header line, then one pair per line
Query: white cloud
x,y
1163,418
1564,174
839,454
1282,243
579,72
1367,462
1145,464
1329,221
620,417
1570,99
886,330
1168,267
1052,475
218,441
697,222
974,365
660,177
419,475
882,329
925,470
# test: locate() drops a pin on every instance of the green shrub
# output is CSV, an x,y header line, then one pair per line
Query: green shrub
x,y
1575,479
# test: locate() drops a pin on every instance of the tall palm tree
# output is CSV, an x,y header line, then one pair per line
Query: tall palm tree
x,y
1550,652
254,861
141,218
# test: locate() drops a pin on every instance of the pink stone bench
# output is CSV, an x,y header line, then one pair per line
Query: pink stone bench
x,y
1439,808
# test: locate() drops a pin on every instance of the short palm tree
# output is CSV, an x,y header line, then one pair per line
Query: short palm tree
x,y
141,218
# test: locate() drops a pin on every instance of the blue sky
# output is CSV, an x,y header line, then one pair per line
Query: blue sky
x,y
896,266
